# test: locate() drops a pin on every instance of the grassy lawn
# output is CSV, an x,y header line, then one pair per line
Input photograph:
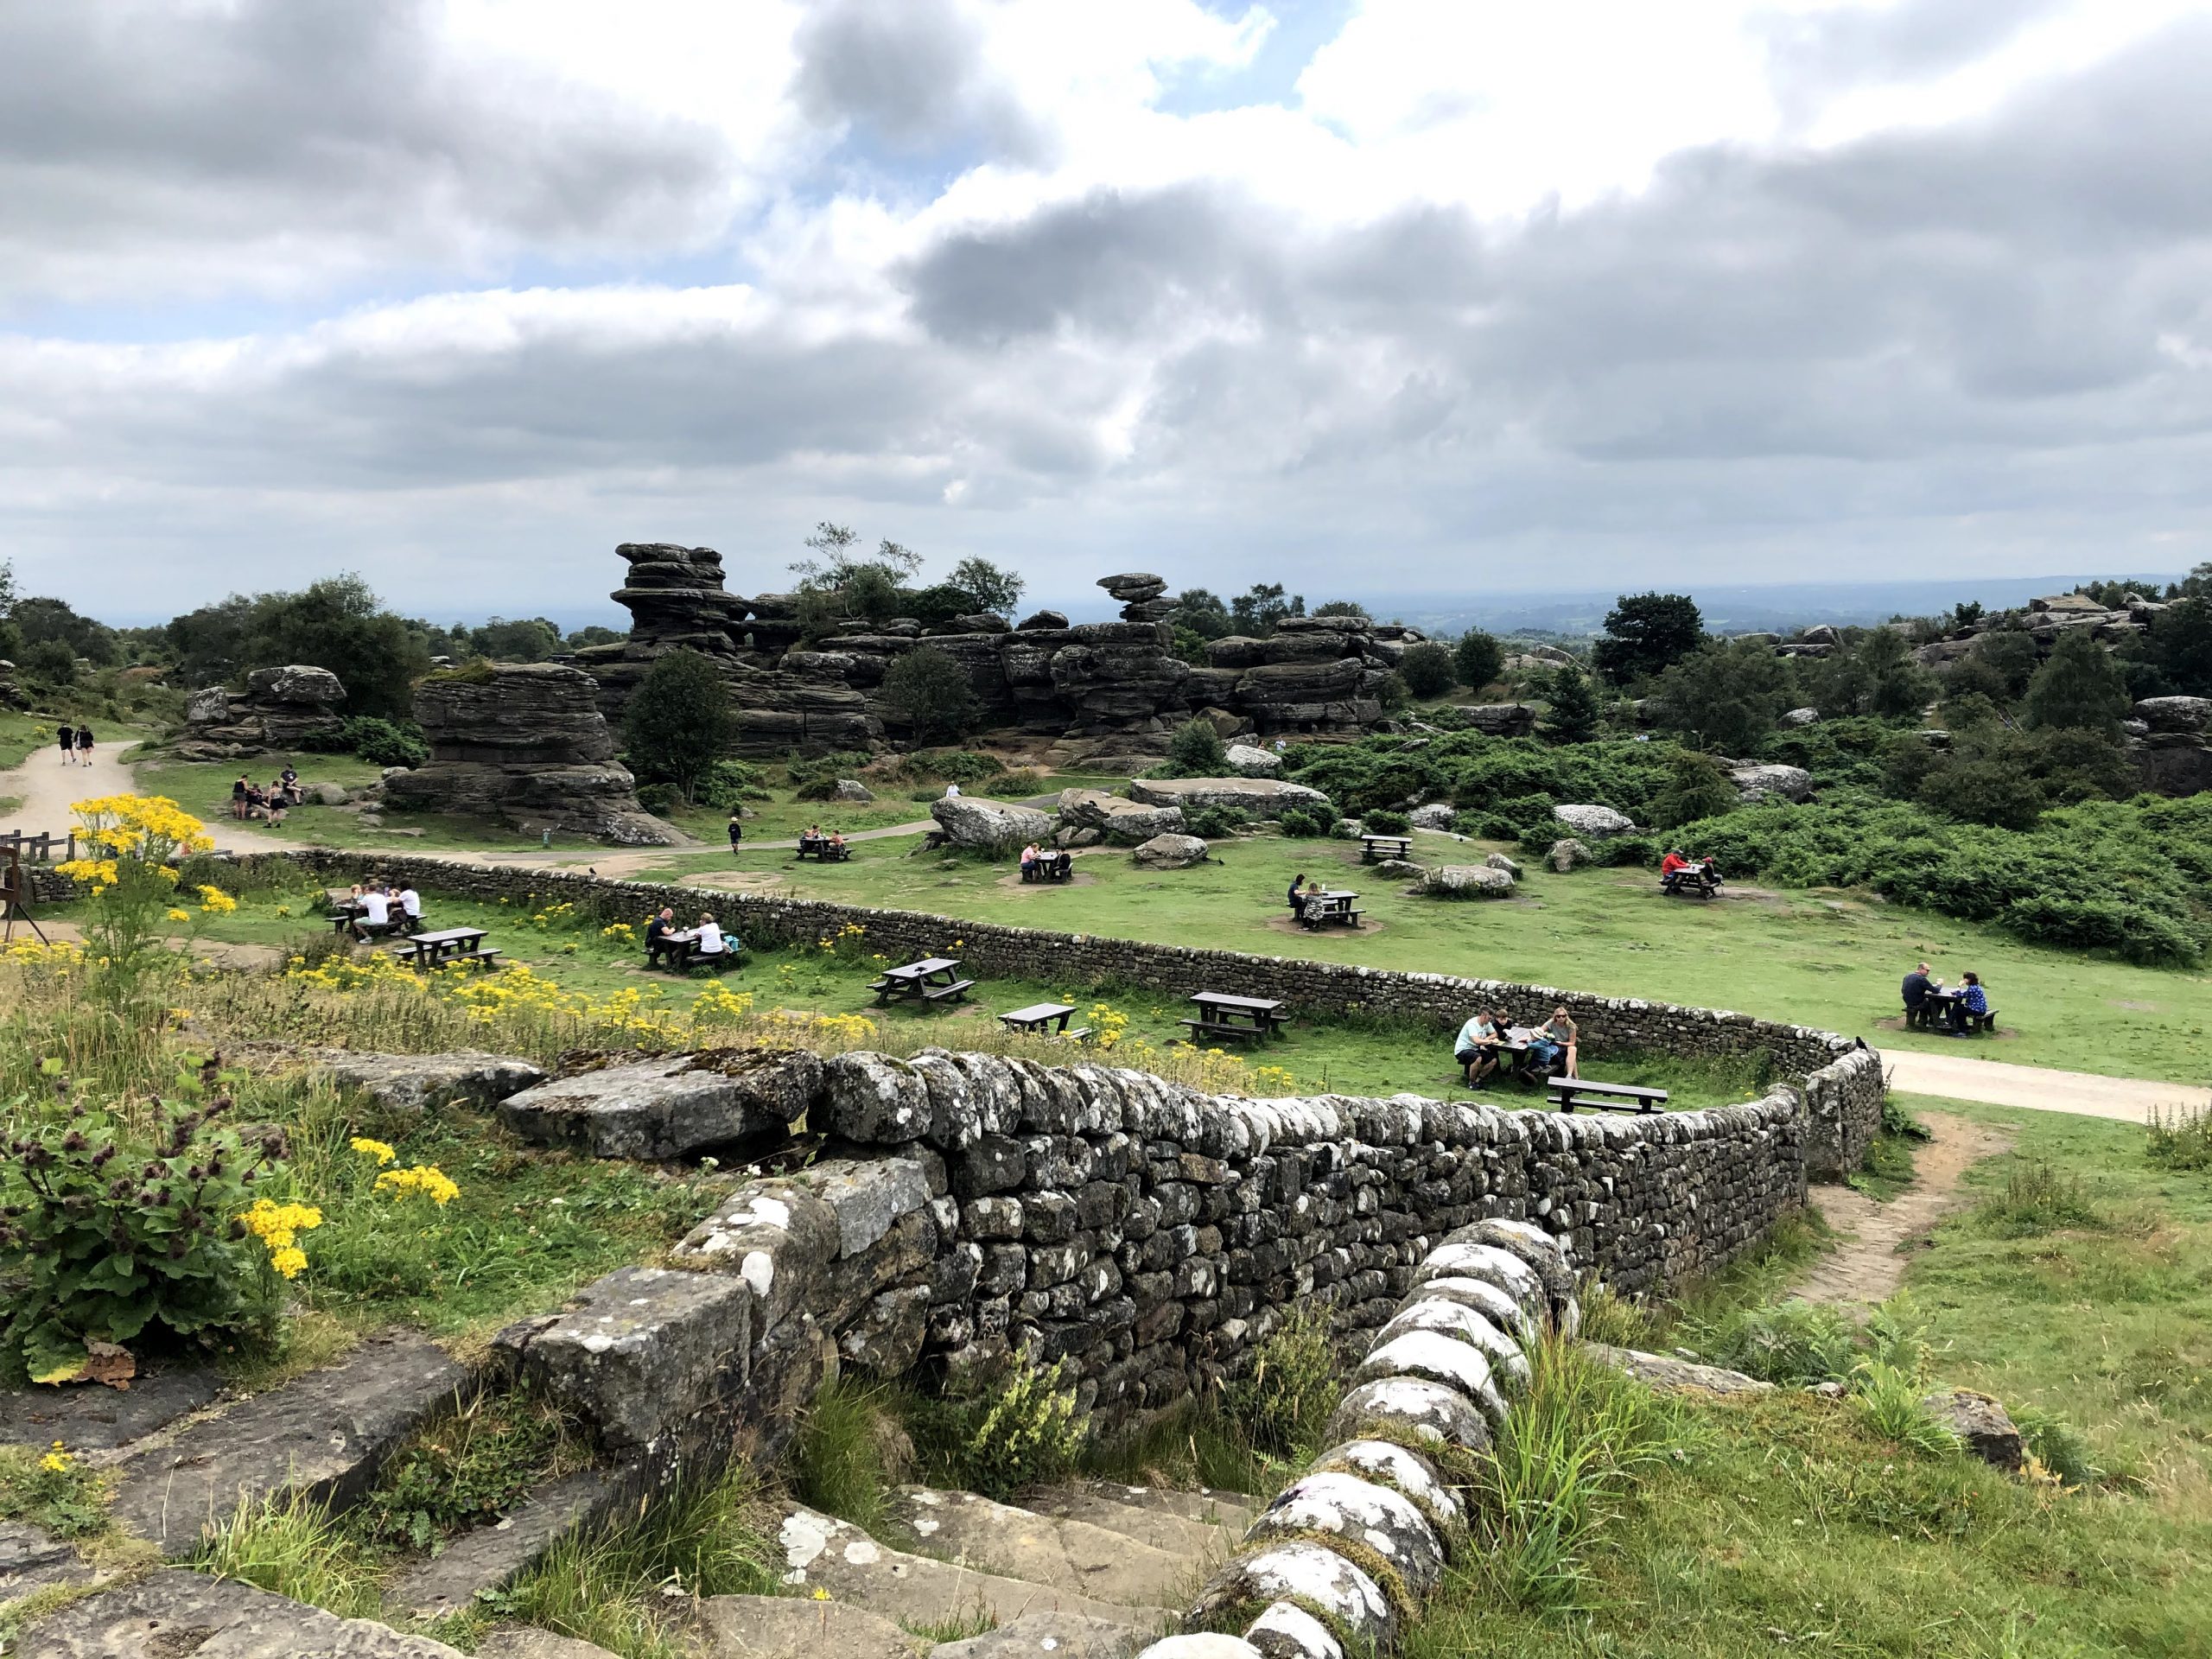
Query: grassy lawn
x,y
1831,959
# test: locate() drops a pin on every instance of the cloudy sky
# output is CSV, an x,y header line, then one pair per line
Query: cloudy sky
x,y
1369,297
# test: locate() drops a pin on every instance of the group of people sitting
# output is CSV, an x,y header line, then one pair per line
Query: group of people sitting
x,y
1037,862
383,908
1301,891
1925,998
269,804
1484,1047
678,948
1675,869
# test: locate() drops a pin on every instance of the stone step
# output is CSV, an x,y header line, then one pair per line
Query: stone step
x,y
1205,1541
323,1435
1063,1553
175,1613
1047,1636
822,1553
486,1558
797,1627
1236,1510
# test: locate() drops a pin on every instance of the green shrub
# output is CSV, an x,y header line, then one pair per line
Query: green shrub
x,y
464,1468
1197,751
1216,823
1303,822
2037,1198
1791,1343
961,767
930,690
657,798
1283,1398
729,784
1897,1120
1428,670
1888,1399
2061,1448
106,1236
817,788
2181,1139
999,1433
384,742
1385,821
838,763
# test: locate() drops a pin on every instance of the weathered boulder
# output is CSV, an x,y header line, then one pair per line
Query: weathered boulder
x,y
1037,619
2175,714
1567,854
1400,870
668,1106
640,1352
1435,815
1307,1572
1801,717
1594,822
1760,782
1500,719
1372,1515
1671,1374
1981,1423
1405,1406
1118,820
976,823
1467,881
1249,762
1171,853
421,1082
851,789
1263,797
282,711
1500,861
176,1612
523,744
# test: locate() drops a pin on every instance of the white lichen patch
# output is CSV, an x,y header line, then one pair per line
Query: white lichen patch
x,y
1285,1623
1410,1474
1321,1577
757,1270
1509,1365
1487,1300
804,1536
1386,1522
1488,1263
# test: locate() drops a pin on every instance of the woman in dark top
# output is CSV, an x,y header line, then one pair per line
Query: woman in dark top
x,y
737,828
85,744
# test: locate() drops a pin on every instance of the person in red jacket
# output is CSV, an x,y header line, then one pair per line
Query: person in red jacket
x,y
1670,870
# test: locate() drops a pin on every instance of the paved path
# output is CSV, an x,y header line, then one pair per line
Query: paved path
x,y
1996,1082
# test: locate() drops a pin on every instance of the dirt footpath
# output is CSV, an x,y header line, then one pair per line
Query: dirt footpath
x,y
1871,1264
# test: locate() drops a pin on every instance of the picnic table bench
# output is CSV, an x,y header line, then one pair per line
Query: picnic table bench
x,y
1941,1007
1328,906
444,946
1692,883
933,979
1372,848
1049,867
823,849
1567,1091
1237,1019
1039,1015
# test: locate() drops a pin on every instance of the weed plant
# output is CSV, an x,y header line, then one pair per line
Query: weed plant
x,y
2179,1139
2037,1197
287,1545
462,1469
1284,1396
853,1448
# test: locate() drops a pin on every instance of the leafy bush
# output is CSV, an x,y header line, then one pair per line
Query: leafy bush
x,y
678,721
1428,670
1793,1342
657,798
1386,821
1888,1399
961,765
385,742
1284,1397
1696,788
838,763
1216,823
2060,1448
2037,1198
1000,1433
2181,1139
1197,751
1898,1120
729,784
930,691
1478,658
109,1239
1302,823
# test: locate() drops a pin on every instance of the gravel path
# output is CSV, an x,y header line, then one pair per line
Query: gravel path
x,y
1996,1082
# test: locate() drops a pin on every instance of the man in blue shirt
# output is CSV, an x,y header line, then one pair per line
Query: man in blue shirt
x,y
1476,1049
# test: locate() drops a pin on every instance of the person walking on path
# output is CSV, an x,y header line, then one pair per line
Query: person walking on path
x,y
83,746
736,827
67,736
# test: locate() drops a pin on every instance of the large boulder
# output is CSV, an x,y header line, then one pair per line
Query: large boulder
x,y
1500,719
282,711
1982,1424
1594,822
975,824
668,1106
2175,714
1467,881
1249,762
1763,782
1116,819
1801,717
1436,815
1263,798
1567,854
1171,853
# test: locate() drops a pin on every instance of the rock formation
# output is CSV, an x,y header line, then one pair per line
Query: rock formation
x,y
282,711
523,744
2169,740
1108,689
1263,797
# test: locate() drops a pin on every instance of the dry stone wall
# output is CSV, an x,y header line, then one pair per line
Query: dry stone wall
x,y
1841,1078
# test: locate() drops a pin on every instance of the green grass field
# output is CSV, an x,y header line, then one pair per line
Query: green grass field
x,y
1831,959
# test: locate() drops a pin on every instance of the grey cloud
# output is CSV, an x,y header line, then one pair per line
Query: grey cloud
x,y
272,144
910,74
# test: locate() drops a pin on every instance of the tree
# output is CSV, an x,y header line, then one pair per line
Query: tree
x,y
1202,612
50,663
1478,659
1695,788
2180,646
1574,715
994,588
339,624
1343,607
38,620
525,639
1987,792
596,635
679,721
1896,685
1428,670
930,690
2011,654
2079,687
1646,634
1257,610
1726,696
1197,751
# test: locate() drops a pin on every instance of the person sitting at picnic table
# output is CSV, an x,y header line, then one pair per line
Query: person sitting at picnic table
x,y
707,938
836,841
1475,1048
376,912
661,940
1299,894
1709,870
1972,1005
411,907
1917,986
1030,855
1670,870
1554,1045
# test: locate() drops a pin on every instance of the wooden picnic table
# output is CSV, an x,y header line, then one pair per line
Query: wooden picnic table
x,y
445,944
1240,1019
1371,847
1038,1015
1695,879
824,850
1943,1007
1328,906
1049,867
933,979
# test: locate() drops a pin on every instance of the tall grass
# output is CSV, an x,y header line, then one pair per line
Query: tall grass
x,y
853,1448
287,1545
2037,1197
2180,1139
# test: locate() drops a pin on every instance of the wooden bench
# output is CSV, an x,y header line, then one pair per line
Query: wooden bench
x,y
1044,1018
1370,847
1211,1028
956,992
1567,1091
479,958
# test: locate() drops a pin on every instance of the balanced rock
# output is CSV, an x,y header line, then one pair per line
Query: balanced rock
x,y
976,823
525,744
1171,853
282,711
2175,714
1118,820
1132,586
1596,823
1037,619
1263,797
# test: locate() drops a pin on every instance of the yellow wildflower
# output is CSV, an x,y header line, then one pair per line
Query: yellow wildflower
x,y
57,1462
377,1149
288,1260
426,1178
216,902
176,915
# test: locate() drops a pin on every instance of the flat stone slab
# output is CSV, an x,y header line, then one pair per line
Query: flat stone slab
x,y
89,1418
792,1627
486,1558
851,1566
1204,1542
538,1644
172,1614
1263,797
323,1434
422,1083
30,1560
1067,1554
1235,1511
1047,1636
1672,1376
668,1107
